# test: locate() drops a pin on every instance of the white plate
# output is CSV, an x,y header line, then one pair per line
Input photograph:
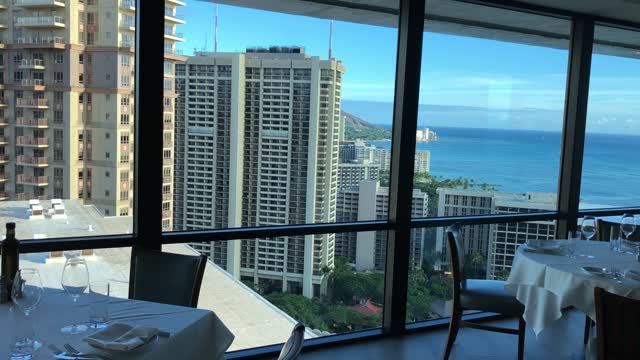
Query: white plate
x,y
597,271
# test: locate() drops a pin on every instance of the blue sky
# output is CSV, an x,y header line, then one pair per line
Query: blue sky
x,y
456,71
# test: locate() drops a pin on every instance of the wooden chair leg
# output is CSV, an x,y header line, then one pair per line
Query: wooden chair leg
x,y
521,332
587,328
454,325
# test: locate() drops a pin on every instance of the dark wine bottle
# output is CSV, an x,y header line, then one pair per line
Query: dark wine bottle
x,y
10,249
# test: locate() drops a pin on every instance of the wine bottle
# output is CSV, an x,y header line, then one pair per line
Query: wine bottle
x,y
10,256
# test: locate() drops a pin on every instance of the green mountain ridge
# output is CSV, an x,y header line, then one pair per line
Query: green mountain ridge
x,y
358,128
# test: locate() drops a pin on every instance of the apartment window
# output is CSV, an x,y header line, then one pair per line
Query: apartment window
x,y
81,58
124,119
58,144
124,60
58,97
58,117
124,100
107,155
81,78
124,195
17,58
58,77
91,18
124,175
107,135
91,38
124,157
17,76
107,174
124,138
107,193
124,212
58,57
124,80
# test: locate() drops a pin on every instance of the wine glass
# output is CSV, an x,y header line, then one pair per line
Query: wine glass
x,y
627,225
588,227
26,293
75,279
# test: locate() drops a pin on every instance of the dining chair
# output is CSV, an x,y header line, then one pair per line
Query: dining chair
x,y
617,326
475,294
165,277
293,346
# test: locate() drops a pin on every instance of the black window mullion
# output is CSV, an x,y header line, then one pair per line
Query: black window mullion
x,y
149,112
575,120
405,114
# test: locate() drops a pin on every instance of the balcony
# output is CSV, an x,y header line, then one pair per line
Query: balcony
x,y
127,43
173,35
32,180
41,21
36,84
4,140
3,102
33,64
41,142
4,195
171,16
128,26
3,23
26,160
128,5
4,159
176,2
4,177
4,122
32,103
40,3
41,123
53,41
166,214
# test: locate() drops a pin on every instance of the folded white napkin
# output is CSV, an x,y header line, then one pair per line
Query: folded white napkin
x,y
121,337
632,274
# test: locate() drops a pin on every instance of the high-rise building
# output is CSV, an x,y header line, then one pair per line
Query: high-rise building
x,y
351,174
260,147
367,201
356,150
497,242
66,104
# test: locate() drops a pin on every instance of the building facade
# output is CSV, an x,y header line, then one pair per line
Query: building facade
x,y
67,102
259,134
369,201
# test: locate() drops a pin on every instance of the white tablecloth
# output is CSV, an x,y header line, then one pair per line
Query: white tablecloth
x,y
546,283
195,333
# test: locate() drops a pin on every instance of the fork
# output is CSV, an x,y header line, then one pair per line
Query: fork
x,y
63,355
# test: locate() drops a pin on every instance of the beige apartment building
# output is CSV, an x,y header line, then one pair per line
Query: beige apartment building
x,y
67,101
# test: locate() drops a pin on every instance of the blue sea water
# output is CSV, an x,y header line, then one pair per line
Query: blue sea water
x,y
525,161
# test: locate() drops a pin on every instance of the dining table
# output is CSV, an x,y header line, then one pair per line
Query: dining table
x,y
547,282
185,333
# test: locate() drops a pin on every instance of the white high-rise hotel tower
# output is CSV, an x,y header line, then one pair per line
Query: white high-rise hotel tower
x,y
257,145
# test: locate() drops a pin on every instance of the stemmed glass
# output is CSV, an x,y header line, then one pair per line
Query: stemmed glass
x,y
75,279
588,228
26,294
627,225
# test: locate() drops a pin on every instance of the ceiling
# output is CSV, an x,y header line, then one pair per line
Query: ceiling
x,y
470,19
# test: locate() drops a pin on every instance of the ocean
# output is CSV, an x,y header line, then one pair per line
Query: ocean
x,y
528,161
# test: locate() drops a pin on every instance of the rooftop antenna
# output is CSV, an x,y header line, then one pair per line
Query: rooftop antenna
x,y
215,47
330,37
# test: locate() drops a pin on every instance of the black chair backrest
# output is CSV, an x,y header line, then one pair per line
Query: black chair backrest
x,y
618,326
455,245
165,277
293,346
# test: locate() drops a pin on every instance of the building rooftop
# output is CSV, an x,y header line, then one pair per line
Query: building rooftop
x,y
252,319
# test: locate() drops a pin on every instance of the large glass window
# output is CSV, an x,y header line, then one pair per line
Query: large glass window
x,y
609,171
62,123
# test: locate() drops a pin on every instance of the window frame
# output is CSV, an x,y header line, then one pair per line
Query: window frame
x,y
149,83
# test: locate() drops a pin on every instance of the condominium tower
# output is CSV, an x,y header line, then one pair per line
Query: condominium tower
x,y
66,104
257,145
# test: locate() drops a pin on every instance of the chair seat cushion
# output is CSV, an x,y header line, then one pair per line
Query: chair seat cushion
x,y
489,295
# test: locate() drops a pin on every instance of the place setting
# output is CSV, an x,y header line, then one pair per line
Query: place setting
x,y
95,338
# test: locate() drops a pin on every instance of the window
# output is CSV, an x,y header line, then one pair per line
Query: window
x,y
58,77
124,80
58,117
81,58
124,195
58,57
124,119
124,211
609,176
91,38
124,60
124,138
124,157
124,175
81,78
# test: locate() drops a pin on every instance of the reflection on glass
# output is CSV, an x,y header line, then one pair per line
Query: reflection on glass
x,y
75,280
26,294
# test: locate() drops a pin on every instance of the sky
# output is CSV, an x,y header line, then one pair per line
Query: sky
x,y
456,71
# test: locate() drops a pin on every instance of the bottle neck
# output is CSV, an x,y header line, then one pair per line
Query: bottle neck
x,y
11,234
